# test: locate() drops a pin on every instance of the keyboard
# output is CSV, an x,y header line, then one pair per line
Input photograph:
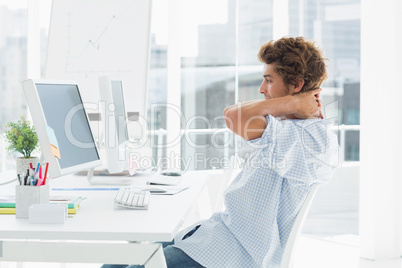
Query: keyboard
x,y
159,179
134,199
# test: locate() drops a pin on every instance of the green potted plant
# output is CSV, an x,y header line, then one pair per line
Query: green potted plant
x,y
22,138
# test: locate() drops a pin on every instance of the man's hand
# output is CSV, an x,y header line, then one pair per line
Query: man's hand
x,y
308,104
319,114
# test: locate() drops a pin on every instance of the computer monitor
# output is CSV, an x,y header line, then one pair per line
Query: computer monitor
x,y
61,122
113,130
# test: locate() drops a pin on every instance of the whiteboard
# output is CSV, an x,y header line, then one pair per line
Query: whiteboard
x,y
89,38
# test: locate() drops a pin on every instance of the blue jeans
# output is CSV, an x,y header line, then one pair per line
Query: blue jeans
x,y
175,257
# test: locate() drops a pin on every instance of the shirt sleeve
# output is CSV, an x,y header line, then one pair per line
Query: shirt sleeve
x,y
299,150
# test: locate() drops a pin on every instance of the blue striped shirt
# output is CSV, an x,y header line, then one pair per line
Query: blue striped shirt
x,y
262,202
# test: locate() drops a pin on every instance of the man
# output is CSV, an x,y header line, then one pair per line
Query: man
x,y
293,149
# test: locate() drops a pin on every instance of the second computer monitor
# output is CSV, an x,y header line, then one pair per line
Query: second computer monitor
x,y
113,124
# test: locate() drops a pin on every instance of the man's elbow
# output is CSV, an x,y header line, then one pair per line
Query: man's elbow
x,y
230,116
227,110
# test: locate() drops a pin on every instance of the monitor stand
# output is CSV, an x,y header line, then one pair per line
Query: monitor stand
x,y
105,178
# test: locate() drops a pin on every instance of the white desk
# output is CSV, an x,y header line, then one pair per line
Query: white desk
x,y
98,233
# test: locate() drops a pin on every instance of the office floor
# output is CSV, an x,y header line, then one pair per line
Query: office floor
x,y
335,252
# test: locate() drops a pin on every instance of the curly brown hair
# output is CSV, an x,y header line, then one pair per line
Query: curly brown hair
x,y
295,57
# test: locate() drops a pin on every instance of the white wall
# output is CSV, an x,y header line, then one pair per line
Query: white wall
x,y
380,135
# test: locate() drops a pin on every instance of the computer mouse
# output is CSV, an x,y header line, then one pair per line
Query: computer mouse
x,y
171,172
155,190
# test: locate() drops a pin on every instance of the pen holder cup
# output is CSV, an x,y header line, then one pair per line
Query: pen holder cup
x,y
26,195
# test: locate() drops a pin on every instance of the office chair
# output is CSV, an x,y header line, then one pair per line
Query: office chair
x,y
288,253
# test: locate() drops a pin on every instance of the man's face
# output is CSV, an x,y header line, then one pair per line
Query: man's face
x,y
273,86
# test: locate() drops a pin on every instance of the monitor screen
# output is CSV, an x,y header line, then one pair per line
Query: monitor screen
x,y
61,122
64,113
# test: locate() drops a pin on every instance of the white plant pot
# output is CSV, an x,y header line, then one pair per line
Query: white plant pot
x,y
23,164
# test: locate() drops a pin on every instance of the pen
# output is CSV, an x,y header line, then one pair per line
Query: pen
x,y
26,180
19,179
44,177
40,182
37,168
30,165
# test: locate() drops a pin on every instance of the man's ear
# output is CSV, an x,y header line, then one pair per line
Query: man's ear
x,y
299,83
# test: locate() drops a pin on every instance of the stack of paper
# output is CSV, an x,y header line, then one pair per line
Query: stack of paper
x,y
7,203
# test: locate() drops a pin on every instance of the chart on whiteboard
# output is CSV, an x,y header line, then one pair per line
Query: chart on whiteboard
x,y
92,37
100,44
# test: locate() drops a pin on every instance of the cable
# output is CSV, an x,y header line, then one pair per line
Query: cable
x,y
7,182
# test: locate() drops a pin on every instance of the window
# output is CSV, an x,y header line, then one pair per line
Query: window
x,y
219,66
13,52
16,33
335,25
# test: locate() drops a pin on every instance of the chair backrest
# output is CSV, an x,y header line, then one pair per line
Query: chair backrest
x,y
288,254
